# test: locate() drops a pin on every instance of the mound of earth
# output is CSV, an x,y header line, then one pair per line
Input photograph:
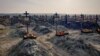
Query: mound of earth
x,y
78,45
29,47
42,29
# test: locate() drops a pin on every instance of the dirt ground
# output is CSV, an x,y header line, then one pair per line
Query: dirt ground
x,y
6,44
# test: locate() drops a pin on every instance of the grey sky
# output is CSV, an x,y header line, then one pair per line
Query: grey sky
x,y
51,6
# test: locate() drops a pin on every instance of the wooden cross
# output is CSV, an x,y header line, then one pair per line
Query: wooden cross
x,y
26,14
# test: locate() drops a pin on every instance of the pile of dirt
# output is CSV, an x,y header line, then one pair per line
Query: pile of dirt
x,y
6,45
17,33
78,46
42,30
29,47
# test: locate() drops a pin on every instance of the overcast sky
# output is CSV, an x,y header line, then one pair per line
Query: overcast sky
x,y
50,6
